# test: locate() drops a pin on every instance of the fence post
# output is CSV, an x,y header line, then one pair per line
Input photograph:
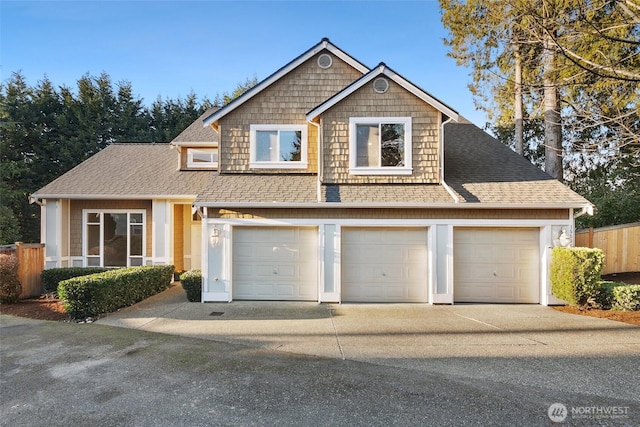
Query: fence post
x,y
591,237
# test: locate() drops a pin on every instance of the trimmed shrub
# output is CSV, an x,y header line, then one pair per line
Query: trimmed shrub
x,y
626,297
192,284
53,276
10,287
575,274
604,296
89,296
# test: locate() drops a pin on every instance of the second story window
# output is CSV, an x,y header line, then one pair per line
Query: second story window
x,y
202,158
278,146
380,146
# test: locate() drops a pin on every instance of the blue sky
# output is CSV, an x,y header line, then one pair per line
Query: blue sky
x,y
170,48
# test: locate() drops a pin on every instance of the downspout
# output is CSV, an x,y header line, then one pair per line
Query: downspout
x,y
452,193
320,154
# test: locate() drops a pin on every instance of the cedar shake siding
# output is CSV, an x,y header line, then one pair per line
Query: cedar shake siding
x,y
286,101
396,102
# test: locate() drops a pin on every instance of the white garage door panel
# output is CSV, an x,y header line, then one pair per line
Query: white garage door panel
x,y
275,263
384,265
496,265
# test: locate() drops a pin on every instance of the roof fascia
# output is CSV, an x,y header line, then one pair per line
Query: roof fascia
x,y
383,69
449,205
324,44
114,196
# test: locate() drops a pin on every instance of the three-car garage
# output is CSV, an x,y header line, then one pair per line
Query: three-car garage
x,y
386,264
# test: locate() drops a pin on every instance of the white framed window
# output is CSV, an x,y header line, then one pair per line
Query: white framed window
x,y
202,158
114,238
380,146
278,146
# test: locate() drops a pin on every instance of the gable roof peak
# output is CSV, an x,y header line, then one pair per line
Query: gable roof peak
x,y
383,69
212,119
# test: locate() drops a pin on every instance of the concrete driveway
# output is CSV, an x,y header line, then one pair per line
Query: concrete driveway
x,y
528,345
167,362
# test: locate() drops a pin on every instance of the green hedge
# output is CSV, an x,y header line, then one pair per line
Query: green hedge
x,y
53,276
10,287
192,284
575,274
89,296
626,297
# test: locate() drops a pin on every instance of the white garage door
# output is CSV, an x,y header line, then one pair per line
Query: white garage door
x,y
275,263
384,265
496,265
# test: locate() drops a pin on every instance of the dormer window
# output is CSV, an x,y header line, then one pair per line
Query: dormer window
x,y
202,158
380,146
278,146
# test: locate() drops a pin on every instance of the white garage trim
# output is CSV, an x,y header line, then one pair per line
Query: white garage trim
x,y
497,265
384,264
275,263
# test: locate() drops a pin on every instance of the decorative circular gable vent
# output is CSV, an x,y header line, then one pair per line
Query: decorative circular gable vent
x,y
380,85
325,61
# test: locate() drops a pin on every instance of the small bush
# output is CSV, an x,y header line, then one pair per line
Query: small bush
x,y
575,274
53,276
626,297
89,296
604,295
192,285
10,287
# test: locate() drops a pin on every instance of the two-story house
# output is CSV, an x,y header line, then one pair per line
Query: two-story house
x,y
333,182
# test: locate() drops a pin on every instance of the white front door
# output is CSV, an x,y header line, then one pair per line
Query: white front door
x,y
384,264
275,263
496,265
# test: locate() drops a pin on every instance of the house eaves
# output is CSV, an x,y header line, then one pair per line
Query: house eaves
x,y
340,205
325,44
42,196
382,69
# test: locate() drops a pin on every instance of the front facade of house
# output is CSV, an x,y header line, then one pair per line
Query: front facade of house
x,y
334,182
130,205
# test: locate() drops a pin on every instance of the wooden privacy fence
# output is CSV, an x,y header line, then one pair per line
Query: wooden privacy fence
x,y
30,265
620,244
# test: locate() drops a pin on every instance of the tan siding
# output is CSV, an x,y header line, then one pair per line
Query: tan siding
x,y
76,218
284,102
328,213
396,102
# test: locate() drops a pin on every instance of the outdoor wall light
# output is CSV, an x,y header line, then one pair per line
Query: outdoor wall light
x,y
215,234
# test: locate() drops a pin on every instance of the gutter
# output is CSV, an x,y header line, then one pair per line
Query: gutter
x,y
33,198
452,193
342,205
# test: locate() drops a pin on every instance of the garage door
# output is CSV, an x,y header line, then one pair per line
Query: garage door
x,y
384,265
496,265
275,263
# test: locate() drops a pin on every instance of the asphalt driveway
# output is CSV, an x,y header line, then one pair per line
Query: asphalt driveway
x,y
170,362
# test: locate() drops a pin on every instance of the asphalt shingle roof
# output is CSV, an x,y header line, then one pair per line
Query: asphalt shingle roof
x,y
480,169
195,132
245,188
127,171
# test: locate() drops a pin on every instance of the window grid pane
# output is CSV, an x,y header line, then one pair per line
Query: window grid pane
x,y
266,146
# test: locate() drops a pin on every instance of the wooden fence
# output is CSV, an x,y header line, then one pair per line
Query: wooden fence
x,y
620,244
30,265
